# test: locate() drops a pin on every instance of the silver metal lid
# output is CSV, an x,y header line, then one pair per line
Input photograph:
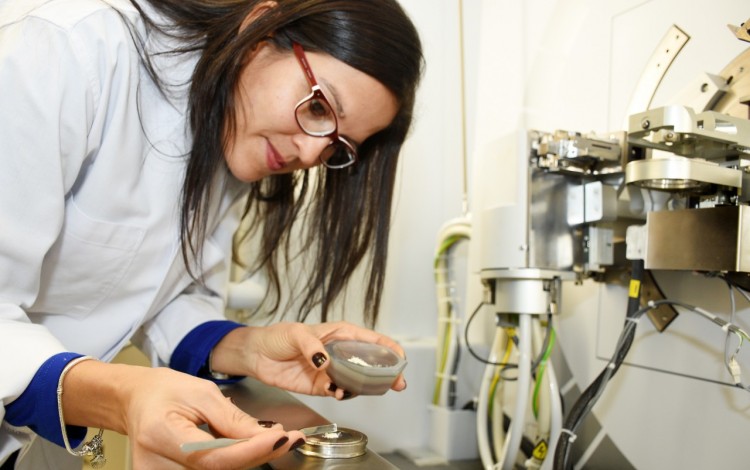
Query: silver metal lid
x,y
342,444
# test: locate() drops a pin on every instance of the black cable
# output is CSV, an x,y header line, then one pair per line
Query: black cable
x,y
588,398
739,280
637,273
743,290
468,345
508,365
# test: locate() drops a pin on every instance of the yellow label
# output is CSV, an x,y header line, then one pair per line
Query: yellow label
x,y
635,288
540,451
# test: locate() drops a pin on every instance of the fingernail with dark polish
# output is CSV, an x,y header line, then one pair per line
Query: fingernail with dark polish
x,y
319,359
280,442
347,395
332,387
300,442
266,424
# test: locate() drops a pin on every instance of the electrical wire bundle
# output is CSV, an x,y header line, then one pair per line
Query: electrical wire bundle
x,y
591,395
593,392
500,437
731,360
448,348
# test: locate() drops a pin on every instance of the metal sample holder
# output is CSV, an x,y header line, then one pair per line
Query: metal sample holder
x,y
269,403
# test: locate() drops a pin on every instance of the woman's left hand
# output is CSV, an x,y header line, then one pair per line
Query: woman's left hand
x,y
291,355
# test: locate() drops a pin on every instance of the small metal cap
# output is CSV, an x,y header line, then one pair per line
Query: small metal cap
x,y
342,444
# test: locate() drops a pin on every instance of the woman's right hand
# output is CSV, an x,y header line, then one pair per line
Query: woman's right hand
x,y
160,409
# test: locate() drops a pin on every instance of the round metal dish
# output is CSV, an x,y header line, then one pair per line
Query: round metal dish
x,y
342,444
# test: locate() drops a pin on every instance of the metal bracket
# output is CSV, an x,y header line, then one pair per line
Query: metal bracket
x,y
742,32
663,56
662,315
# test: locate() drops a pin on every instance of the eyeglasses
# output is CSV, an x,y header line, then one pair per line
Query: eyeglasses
x,y
315,116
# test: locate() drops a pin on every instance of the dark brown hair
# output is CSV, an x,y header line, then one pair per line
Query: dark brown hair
x,y
347,211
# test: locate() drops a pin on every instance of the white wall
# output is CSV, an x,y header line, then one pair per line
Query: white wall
x,y
430,179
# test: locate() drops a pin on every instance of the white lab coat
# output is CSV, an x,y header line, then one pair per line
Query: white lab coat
x,y
92,159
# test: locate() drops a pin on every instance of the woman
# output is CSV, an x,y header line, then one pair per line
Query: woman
x,y
134,137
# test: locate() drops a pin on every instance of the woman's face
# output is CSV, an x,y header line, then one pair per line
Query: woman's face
x,y
267,140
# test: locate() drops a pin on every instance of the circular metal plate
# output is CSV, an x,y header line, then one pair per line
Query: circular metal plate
x,y
680,174
342,444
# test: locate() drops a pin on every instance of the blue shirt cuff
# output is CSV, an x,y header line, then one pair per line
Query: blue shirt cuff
x,y
191,355
37,405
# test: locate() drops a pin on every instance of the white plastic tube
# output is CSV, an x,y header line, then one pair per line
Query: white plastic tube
x,y
515,433
498,408
543,415
497,418
555,416
460,227
550,406
483,440
445,399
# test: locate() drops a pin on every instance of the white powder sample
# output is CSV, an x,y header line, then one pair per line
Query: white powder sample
x,y
359,361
